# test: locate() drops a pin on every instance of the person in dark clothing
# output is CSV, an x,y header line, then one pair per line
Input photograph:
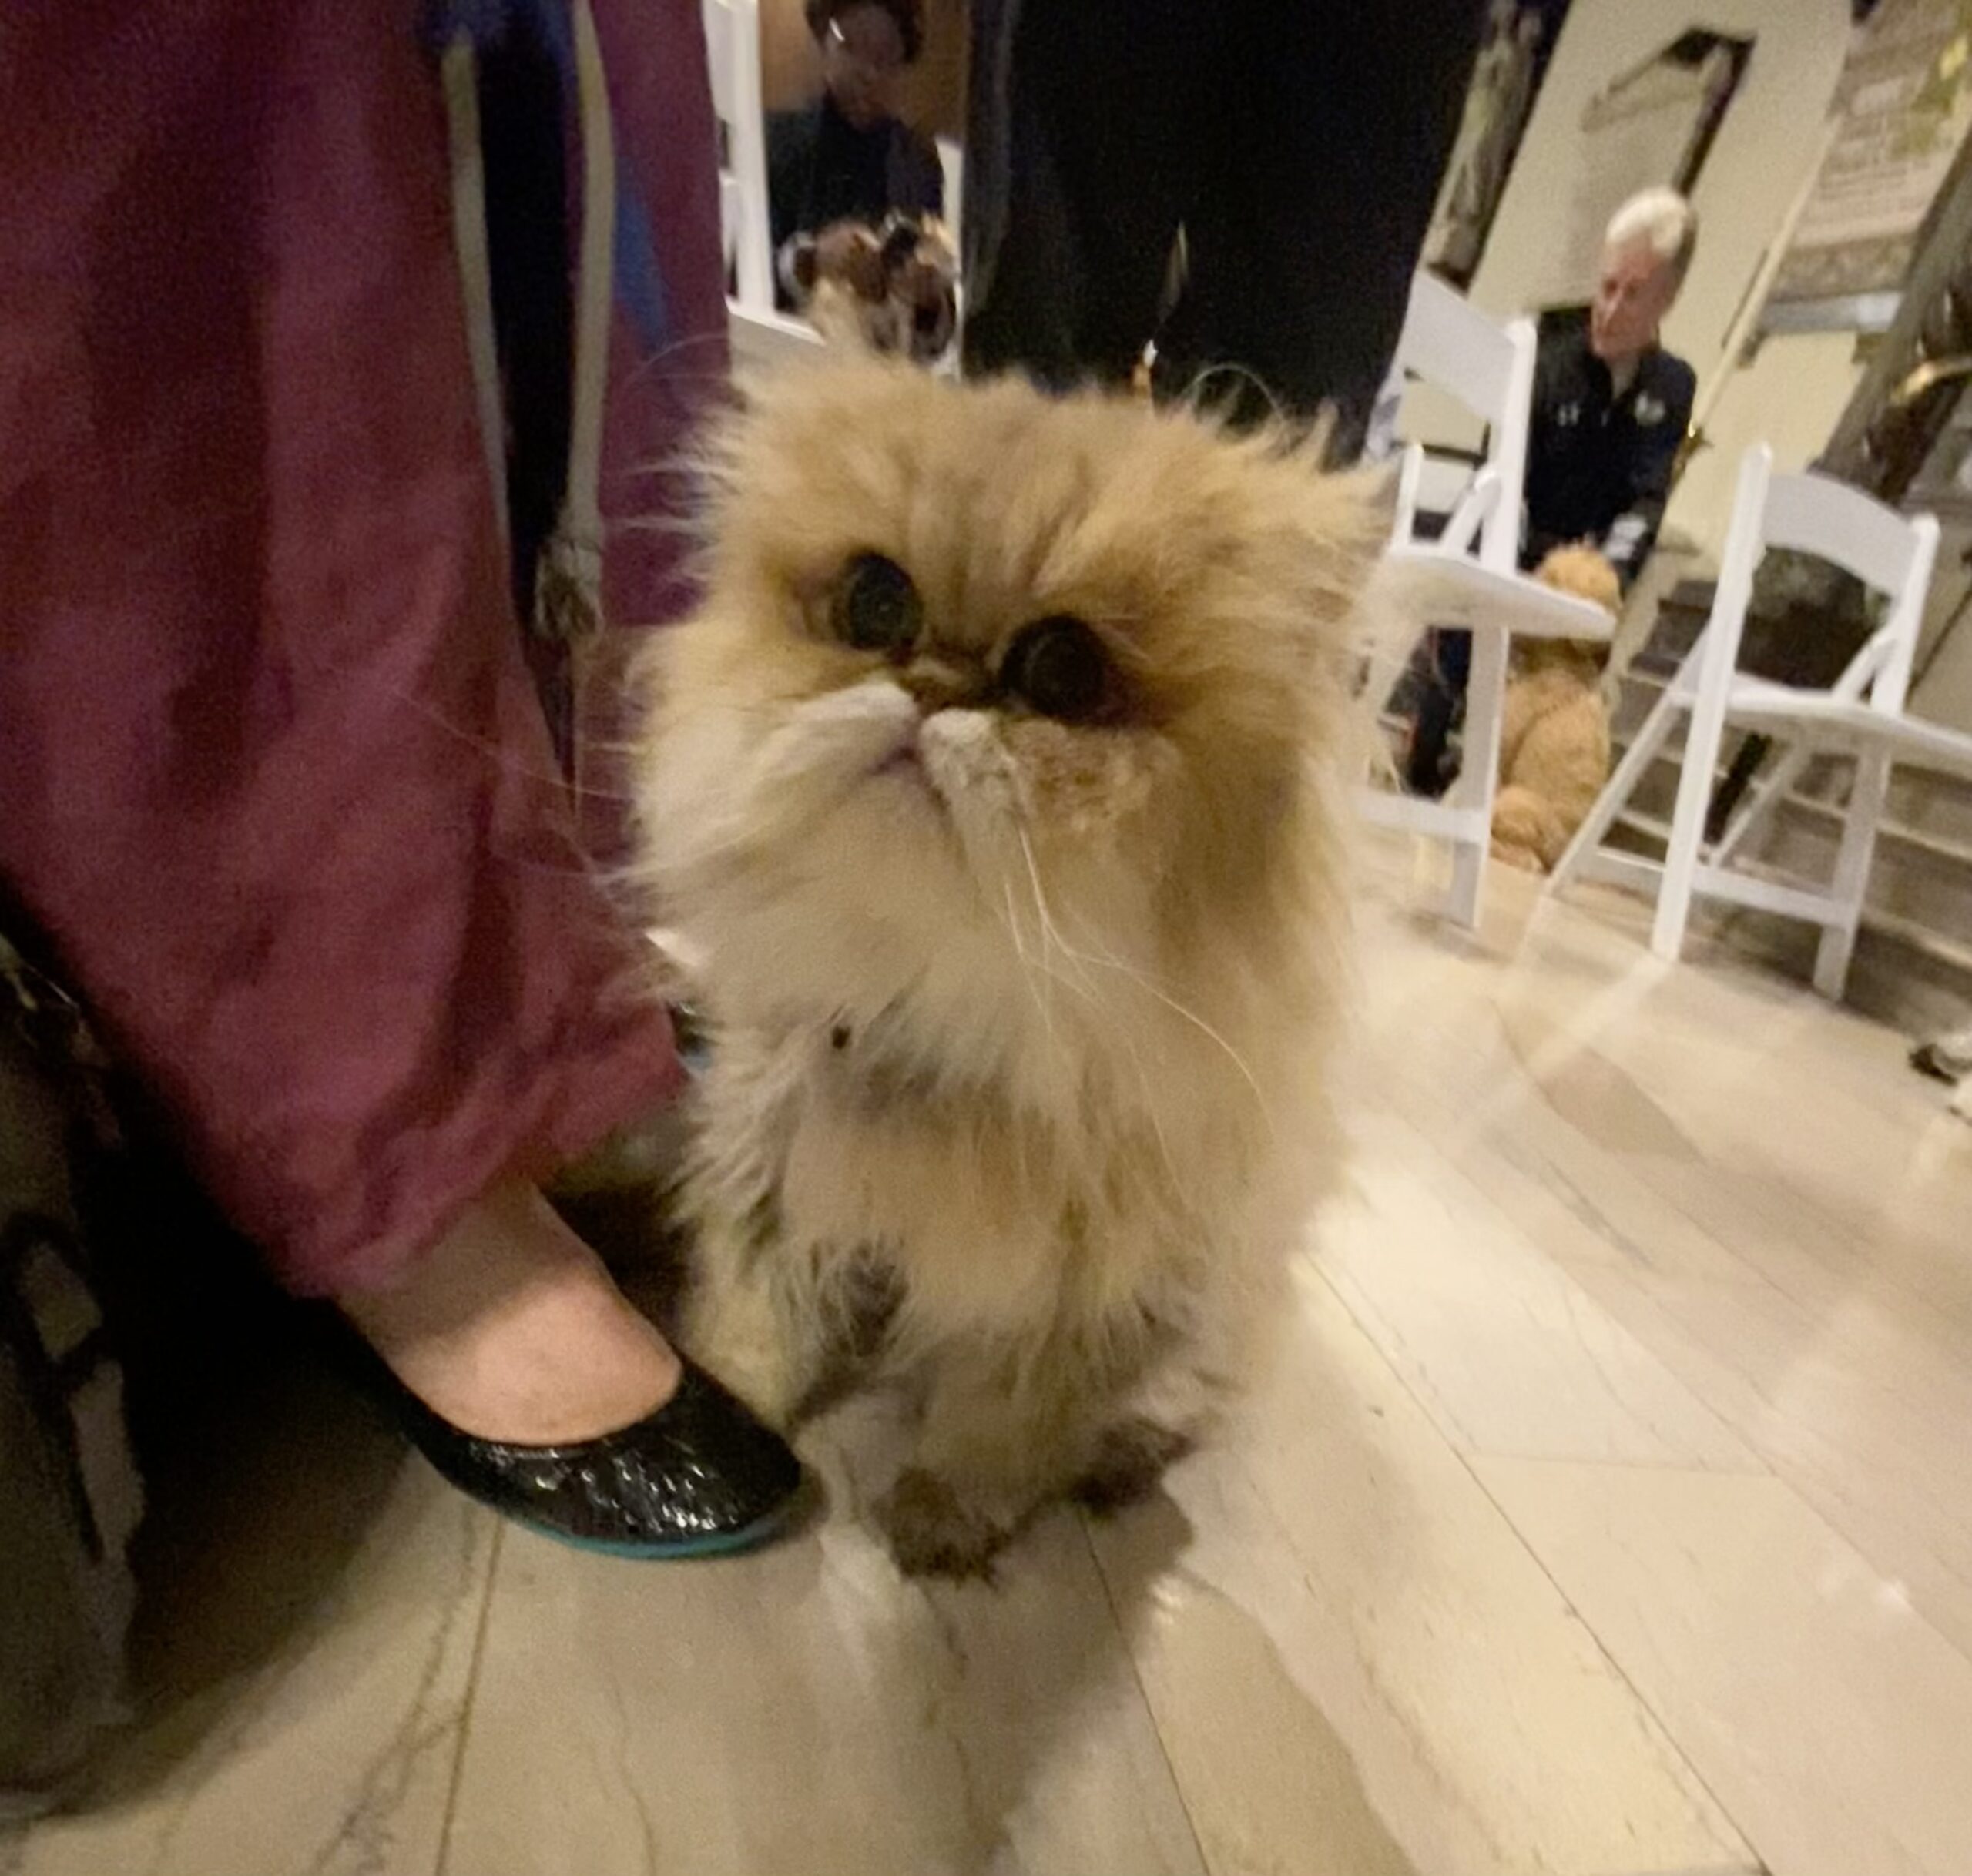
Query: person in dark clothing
x,y
1611,408
1611,405
1299,148
847,157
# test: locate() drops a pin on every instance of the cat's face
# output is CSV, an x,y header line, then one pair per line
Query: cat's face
x,y
990,695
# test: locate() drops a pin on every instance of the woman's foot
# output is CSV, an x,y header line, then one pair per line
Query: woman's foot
x,y
522,1374
510,1329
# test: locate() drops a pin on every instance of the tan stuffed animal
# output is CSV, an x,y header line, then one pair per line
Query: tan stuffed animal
x,y
1555,731
891,289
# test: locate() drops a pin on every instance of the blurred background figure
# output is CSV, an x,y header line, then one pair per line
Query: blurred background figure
x,y
848,160
1298,150
892,290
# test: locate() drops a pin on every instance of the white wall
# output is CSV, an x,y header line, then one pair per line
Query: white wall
x,y
1789,397
1757,166
1945,693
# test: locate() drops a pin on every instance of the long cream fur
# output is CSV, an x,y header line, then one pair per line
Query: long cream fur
x,y
1016,1091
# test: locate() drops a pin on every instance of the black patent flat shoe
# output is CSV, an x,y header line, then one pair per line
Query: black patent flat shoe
x,y
700,1477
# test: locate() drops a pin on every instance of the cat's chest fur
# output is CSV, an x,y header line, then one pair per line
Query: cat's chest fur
x,y
988,1207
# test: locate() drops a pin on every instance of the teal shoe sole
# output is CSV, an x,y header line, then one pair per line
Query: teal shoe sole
x,y
799,1508
754,1536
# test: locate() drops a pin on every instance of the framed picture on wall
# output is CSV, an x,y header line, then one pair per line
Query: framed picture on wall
x,y
1513,60
1903,110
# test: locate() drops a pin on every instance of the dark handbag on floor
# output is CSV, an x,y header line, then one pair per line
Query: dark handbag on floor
x,y
67,1482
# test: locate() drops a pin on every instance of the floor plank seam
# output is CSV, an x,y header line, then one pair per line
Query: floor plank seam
x,y
1615,1667
468,1697
1143,1694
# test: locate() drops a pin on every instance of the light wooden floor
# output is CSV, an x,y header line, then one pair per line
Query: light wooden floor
x,y
1609,1512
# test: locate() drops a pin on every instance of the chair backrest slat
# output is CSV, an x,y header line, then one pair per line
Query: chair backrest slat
x,y
733,57
1813,514
720,35
1448,342
1488,368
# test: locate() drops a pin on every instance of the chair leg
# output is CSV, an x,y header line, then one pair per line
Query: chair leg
x,y
1681,855
1650,737
1852,874
1834,955
1479,769
1767,796
1707,671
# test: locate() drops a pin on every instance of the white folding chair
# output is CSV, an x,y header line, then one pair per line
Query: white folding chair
x,y
732,58
1861,715
1469,576
951,164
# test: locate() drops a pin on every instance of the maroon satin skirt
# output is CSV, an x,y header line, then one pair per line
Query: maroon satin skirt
x,y
274,775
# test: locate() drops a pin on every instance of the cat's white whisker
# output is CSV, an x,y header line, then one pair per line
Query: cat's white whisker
x,y
1120,1032
1115,1031
1050,975
1042,1001
1191,1016
1145,982
1051,933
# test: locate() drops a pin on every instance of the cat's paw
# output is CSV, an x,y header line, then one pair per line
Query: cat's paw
x,y
1128,1463
1961,1100
932,1533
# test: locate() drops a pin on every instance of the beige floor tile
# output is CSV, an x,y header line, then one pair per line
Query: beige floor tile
x,y
1828,1716
1831,1348
1352,1660
1861,1423
1838,1148
1503,1348
307,1651
807,1712
1740,1068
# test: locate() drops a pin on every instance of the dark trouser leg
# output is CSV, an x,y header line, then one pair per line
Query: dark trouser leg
x,y
1108,102
1446,660
1746,761
1317,189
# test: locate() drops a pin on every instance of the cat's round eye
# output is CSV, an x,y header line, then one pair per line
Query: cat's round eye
x,y
1058,666
876,608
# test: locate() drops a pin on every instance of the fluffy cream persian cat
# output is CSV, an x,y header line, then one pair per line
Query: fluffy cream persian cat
x,y
991,783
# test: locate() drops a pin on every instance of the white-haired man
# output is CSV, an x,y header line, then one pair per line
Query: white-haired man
x,y
1610,404
1610,407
